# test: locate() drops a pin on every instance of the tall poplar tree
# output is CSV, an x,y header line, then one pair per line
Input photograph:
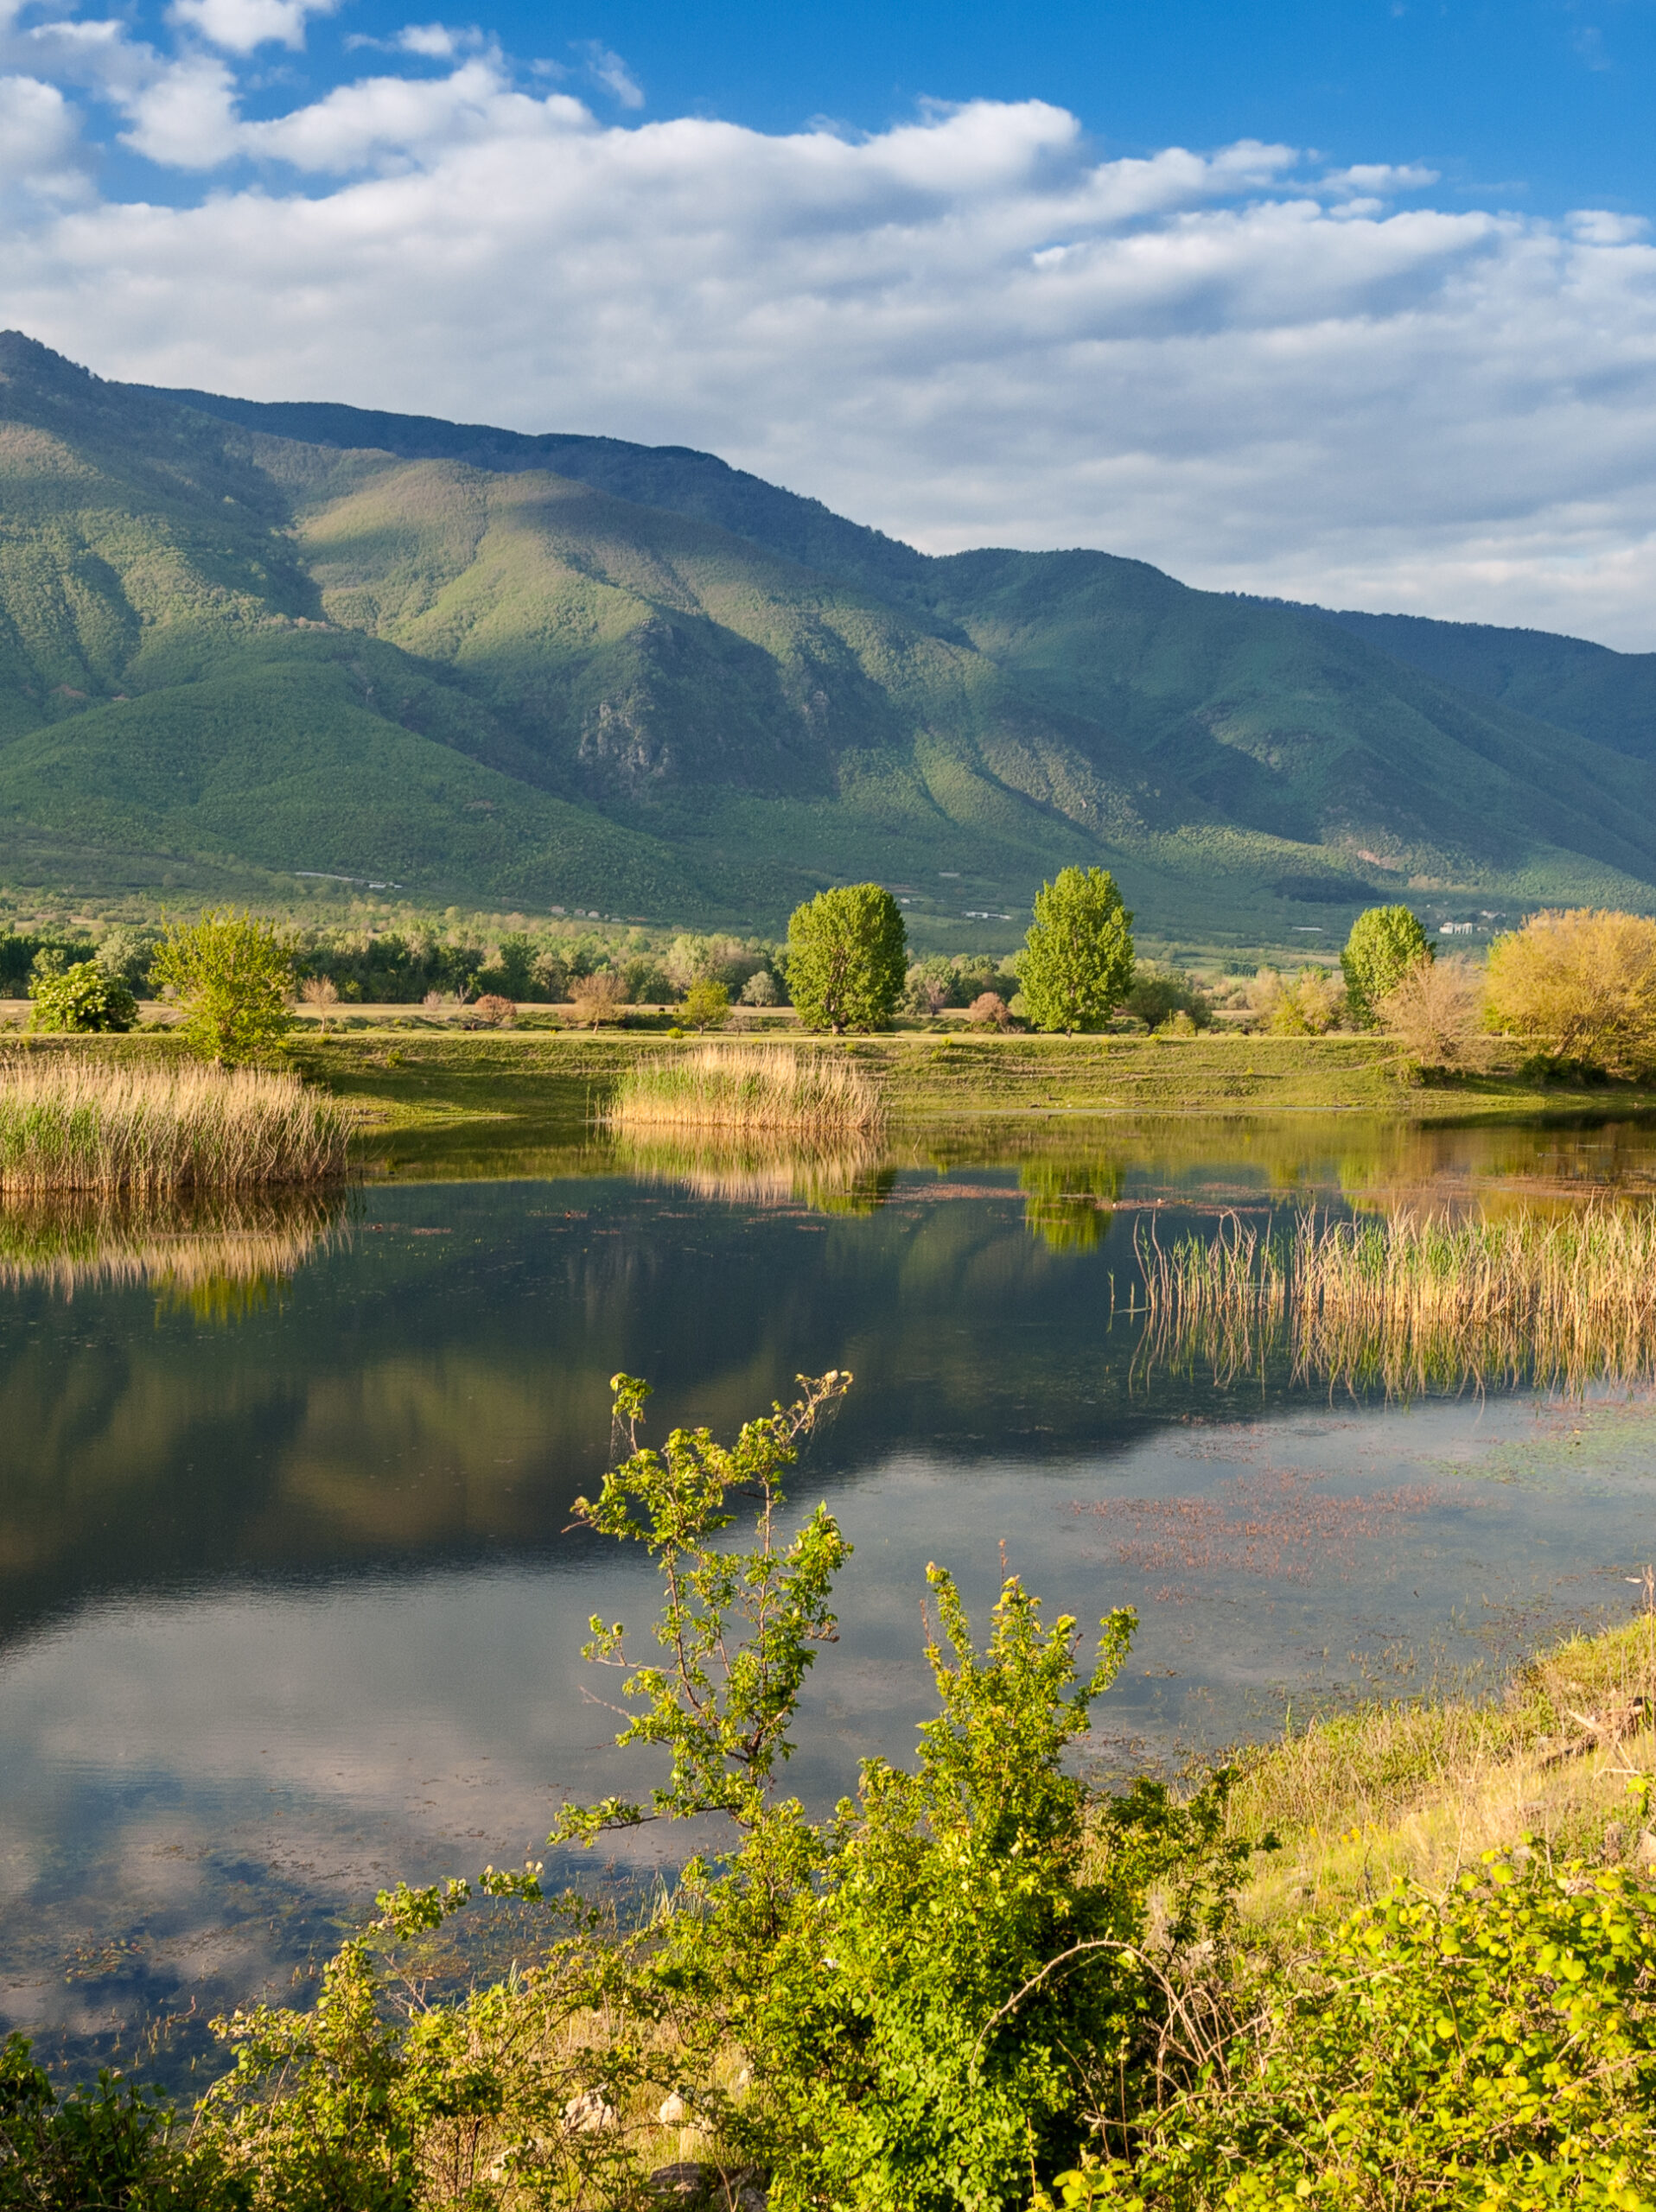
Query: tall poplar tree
x,y
1076,963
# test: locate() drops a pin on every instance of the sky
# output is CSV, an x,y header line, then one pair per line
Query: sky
x,y
1353,302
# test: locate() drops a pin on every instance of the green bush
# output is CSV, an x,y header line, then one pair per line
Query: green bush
x,y
82,998
1076,963
232,975
931,1990
1158,993
1492,2051
707,1005
98,2149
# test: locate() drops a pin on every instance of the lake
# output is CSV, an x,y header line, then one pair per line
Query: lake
x,y
289,1602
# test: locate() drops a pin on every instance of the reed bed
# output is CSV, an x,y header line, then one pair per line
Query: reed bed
x,y
79,1125
212,1253
1419,1302
748,1091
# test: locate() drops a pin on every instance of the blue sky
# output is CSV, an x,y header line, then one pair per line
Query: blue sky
x,y
1354,301
1539,104
1543,100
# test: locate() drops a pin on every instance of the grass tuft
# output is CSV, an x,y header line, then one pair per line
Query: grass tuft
x,y
747,1090
150,1133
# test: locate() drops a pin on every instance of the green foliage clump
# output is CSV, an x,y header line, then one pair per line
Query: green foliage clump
x,y
1076,963
86,997
1309,1004
232,975
932,1989
707,1005
1490,2050
98,2149
847,958
1384,943
1161,995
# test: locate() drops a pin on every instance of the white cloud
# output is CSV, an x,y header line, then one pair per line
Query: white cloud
x,y
608,72
967,329
41,152
393,122
435,42
1384,178
185,117
239,26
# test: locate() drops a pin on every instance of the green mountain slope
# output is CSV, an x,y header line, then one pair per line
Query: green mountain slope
x,y
1608,696
568,671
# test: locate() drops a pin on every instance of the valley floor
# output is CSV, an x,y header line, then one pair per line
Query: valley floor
x,y
407,1074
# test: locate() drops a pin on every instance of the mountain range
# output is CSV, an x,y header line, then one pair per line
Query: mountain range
x,y
244,642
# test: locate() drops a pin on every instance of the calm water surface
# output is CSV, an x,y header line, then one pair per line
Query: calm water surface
x,y
290,1607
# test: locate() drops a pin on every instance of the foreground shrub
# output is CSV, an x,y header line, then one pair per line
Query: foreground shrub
x,y
96,2150
1385,944
1076,963
495,1012
1435,1012
847,955
1491,2051
231,975
1581,985
934,1991
86,997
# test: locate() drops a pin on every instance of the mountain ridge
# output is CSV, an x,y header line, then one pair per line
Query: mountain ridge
x,y
559,670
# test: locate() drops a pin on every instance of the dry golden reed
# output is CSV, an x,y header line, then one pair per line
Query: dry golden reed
x,y
1421,1301
747,1090
68,1124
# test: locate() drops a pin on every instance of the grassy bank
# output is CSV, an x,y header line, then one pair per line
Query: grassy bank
x,y
422,1076
410,1075
1417,1789
74,1122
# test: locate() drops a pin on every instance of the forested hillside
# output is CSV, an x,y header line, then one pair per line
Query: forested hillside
x,y
563,670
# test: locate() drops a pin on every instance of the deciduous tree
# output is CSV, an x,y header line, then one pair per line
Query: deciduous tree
x,y
1076,963
1581,985
231,975
1434,1011
1384,943
848,955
